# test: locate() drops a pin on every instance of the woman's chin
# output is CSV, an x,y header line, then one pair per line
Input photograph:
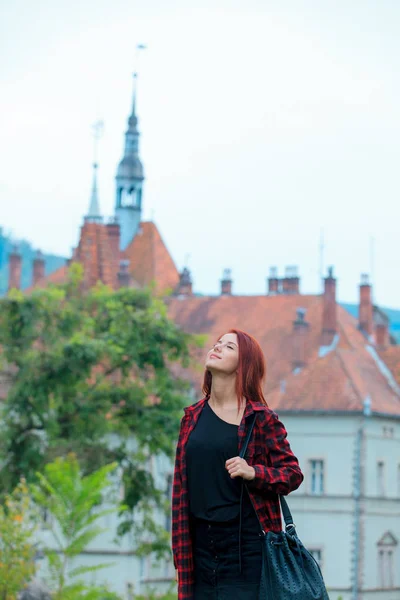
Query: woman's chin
x,y
212,366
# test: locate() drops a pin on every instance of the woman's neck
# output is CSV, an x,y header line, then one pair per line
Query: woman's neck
x,y
223,392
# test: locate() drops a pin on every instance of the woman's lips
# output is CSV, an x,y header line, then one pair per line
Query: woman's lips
x,y
214,356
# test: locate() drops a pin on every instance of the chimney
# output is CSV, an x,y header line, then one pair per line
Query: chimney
x,y
38,268
365,312
381,336
291,281
184,287
124,276
273,282
381,321
113,234
300,330
329,326
113,231
14,265
285,284
226,283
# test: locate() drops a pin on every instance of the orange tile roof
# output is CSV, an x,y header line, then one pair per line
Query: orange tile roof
x,y
391,357
340,380
150,260
56,277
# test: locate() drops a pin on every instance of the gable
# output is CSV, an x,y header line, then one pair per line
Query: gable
x,y
150,260
388,539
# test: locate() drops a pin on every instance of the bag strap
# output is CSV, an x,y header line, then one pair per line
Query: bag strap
x,y
287,515
246,442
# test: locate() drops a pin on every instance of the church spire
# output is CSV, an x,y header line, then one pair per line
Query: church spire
x,y
94,214
129,178
133,115
94,207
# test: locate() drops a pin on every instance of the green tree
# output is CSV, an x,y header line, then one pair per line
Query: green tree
x,y
16,542
73,503
91,371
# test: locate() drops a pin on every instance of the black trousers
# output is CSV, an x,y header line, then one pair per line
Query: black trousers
x,y
216,560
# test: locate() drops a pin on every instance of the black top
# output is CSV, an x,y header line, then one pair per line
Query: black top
x,y
213,495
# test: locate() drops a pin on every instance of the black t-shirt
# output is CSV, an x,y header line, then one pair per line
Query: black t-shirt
x,y
213,495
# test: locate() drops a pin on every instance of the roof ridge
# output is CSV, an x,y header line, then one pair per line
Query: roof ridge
x,y
384,369
352,383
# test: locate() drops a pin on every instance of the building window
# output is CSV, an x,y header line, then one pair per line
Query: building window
x,y
387,547
316,476
388,432
380,477
316,553
47,519
386,568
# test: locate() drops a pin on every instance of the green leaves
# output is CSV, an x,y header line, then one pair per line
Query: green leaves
x,y
90,372
16,542
72,502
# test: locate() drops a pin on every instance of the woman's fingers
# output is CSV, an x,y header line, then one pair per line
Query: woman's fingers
x,y
238,467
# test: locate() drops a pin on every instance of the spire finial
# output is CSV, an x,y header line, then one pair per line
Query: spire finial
x,y
139,47
94,207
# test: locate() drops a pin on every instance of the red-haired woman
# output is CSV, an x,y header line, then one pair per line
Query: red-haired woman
x,y
216,528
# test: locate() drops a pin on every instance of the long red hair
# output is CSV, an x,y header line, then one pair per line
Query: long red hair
x,y
251,370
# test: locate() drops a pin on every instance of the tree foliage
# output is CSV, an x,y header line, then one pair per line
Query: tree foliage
x,y
73,505
90,373
17,550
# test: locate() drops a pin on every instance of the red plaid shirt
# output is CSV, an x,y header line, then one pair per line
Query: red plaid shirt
x,y
277,472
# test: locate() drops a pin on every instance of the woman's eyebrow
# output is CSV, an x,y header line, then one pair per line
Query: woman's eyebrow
x,y
228,343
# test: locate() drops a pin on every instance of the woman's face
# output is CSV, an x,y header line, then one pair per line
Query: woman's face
x,y
223,357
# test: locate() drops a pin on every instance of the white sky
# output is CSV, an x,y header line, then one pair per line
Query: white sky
x,y
262,122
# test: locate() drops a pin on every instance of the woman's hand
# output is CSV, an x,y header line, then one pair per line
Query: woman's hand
x,y
238,467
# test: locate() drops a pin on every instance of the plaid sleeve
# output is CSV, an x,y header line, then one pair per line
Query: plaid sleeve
x,y
283,475
176,498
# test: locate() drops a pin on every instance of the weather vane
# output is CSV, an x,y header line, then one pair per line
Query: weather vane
x,y
139,47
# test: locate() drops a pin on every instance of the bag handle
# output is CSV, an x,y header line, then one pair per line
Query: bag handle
x,y
287,515
246,441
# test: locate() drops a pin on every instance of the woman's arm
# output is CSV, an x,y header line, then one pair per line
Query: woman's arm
x,y
176,494
283,475
176,499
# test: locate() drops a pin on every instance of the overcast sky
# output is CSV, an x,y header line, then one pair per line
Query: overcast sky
x,y
262,123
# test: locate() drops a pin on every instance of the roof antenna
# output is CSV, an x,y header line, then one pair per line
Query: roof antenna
x,y
371,267
321,260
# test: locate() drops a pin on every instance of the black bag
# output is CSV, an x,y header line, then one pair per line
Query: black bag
x,y
289,571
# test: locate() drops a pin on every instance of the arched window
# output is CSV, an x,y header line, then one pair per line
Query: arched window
x,y
387,549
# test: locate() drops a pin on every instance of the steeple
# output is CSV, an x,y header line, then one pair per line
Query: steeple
x,y
94,215
94,208
129,178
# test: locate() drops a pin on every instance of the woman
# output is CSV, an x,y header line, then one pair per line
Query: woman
x,y
216,527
